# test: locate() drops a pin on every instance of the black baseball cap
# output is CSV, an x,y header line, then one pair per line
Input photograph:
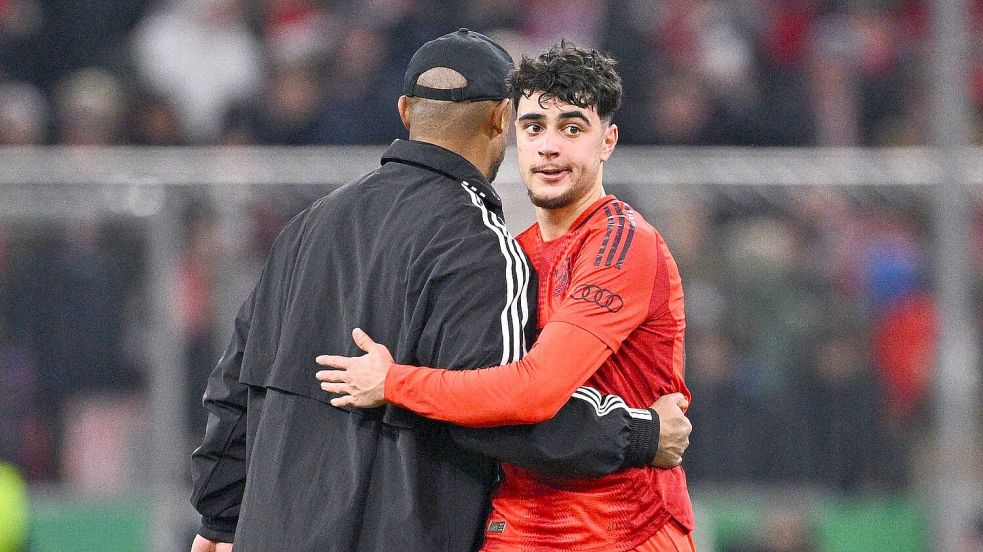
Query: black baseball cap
x,y
478,58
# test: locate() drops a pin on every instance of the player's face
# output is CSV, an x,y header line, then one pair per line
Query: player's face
x,y
561,149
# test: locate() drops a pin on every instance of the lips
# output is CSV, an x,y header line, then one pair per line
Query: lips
x,y
551,174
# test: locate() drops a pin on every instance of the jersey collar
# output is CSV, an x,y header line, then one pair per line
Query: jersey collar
x,y
441,160
589,212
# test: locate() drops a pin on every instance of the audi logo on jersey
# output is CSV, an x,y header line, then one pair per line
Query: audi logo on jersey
x,y
599,296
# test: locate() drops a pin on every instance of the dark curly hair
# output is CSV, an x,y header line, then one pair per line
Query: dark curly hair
x,y
571,74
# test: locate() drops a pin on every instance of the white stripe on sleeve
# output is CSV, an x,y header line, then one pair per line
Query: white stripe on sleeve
x,y
515,313
606,405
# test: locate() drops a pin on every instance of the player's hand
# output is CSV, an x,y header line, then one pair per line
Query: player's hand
x,y
361,380
674,430
201,544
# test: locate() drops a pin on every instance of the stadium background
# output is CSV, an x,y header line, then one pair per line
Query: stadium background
x,y
806,160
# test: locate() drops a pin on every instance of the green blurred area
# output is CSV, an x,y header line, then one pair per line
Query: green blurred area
x,y
848,525
120,524
13,509
884,524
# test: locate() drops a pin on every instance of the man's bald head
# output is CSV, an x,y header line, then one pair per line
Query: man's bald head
x,y
446,119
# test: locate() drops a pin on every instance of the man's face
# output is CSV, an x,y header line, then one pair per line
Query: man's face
x,y
499,144
497,161
561,148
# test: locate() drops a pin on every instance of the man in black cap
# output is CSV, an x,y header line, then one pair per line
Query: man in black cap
x,y
417,254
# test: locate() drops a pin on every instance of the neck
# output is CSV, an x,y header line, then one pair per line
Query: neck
x,y
469,148
553,223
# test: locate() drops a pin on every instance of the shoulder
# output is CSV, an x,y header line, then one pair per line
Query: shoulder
x,y
618,236
475,215
469,229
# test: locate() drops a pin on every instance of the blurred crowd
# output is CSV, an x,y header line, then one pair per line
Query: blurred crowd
x,y
742,72
811,328
811,336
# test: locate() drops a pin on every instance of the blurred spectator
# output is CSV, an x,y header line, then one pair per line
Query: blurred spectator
x,y
23,114
362,89
203,57
239,126
196,296
18,375
490,15
845,421
97,450
153,120
299,31
19,19
51,38
904,340
66,306
90,104
833,82
682,112
902,314
544,21
709,72
290,110
727,441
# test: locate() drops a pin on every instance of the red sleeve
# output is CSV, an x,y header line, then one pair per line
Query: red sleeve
x,y
528,391
608,297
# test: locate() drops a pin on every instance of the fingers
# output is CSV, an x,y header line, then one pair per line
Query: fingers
x,y
339,388
680,401
362,339
339,362
201,544
343,401
677,399
336,376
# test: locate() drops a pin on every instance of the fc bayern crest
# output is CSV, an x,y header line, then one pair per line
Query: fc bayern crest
x,y
561,278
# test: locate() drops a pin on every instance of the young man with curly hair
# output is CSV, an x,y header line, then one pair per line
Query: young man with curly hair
x,y
610,314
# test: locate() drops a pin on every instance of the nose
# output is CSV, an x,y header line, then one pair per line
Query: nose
x,y
548,146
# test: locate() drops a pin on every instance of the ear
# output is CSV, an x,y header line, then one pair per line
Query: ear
x,y
501,117
610,140
403,106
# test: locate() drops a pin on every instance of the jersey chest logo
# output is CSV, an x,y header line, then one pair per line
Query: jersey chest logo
x,y
561,277
599,296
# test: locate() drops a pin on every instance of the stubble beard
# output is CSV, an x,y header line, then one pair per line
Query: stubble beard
x,y
496,164
554,202
569,196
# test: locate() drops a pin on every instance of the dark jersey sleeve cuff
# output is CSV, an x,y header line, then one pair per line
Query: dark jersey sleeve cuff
x,y
644,441
218,529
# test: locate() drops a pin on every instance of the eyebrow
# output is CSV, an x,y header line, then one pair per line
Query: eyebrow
x,y
575,114
532,117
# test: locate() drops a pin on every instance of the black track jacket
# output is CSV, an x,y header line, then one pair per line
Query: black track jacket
x,y
415,253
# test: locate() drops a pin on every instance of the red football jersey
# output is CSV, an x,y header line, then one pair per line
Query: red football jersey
x,y
612,299
612,275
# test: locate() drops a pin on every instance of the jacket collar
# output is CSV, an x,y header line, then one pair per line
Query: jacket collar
x,y
444,161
